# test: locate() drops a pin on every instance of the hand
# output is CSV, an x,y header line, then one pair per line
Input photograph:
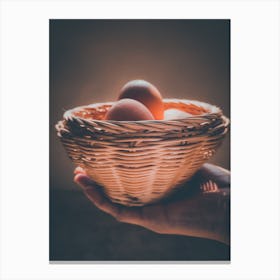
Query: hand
x,y
200,208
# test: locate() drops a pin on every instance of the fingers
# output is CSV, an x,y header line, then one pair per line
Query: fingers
x,y
102,202
95,195
84,181
212,168
217,174
121,213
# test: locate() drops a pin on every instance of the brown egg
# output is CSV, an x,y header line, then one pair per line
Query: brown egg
x,y
145,93
128,110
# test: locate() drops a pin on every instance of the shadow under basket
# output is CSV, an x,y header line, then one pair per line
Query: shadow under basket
x,y
140,162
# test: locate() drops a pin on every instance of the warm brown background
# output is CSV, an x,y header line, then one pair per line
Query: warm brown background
x,y
90,60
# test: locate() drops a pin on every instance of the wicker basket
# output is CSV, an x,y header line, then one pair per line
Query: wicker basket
x,y
140,162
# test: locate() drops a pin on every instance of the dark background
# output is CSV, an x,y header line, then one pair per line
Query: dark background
x,y
90,60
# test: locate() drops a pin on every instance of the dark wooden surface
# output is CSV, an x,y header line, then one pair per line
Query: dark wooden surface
x,y
81,232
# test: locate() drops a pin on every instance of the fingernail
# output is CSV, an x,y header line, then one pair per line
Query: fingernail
x,y
79,170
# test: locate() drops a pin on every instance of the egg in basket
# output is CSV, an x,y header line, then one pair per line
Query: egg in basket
x,y
141,147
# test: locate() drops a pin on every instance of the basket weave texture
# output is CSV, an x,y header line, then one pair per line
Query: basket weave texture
x,y
140,162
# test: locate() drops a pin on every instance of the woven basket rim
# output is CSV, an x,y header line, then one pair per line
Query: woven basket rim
x,y
214,110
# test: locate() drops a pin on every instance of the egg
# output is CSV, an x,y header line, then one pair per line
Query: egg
x,y
147,94
174,114
128,110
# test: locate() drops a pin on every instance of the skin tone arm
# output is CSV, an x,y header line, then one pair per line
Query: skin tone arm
x,y
200,208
